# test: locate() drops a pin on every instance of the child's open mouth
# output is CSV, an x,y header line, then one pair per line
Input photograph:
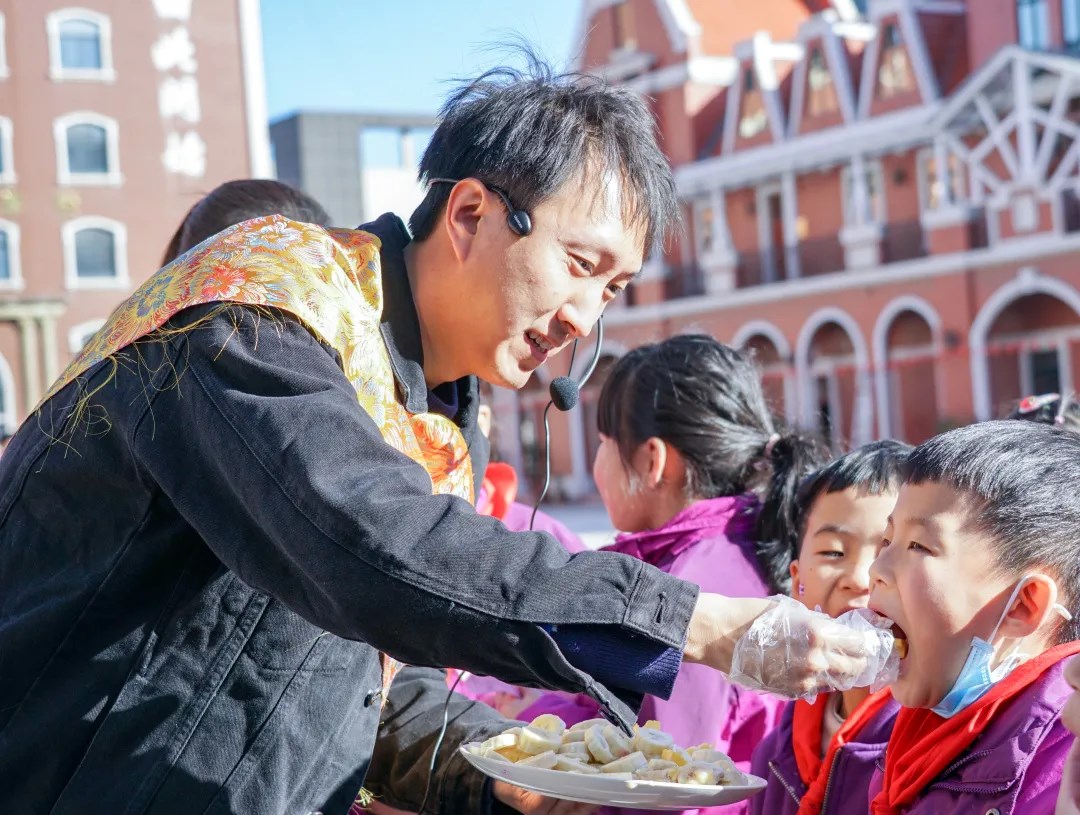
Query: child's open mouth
x,y
901,641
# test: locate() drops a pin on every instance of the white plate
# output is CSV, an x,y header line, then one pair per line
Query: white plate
x,y
606,791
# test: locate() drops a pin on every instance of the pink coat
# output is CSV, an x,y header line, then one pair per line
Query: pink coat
x,y
711,543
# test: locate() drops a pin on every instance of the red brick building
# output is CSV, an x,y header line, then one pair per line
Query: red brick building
x,y
115,117
881,200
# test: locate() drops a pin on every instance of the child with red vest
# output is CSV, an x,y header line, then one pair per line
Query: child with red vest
x,y
820,759
980,571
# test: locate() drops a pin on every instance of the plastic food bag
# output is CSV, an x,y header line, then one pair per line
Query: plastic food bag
x,y
797,653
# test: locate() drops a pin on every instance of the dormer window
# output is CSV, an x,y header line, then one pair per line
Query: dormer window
x,y
894,70
753,119
821,93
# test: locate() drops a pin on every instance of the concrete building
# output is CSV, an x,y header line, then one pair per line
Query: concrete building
x,y
115,117
881,201
323,154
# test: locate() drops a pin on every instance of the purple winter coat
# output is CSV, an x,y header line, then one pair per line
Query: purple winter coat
x,y
849,778
1014,767
710,543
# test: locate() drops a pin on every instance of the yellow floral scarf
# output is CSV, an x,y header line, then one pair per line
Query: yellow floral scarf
x,y
330,280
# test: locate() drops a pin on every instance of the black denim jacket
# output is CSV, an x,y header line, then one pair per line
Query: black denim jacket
x,y
197,572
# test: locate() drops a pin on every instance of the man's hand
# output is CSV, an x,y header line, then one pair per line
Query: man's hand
x,y
1069,797
532,803
783,647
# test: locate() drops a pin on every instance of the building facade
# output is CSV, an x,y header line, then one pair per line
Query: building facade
x,y
323,154
115,117
880,201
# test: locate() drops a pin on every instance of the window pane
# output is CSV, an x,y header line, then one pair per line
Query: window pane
x,y
87,149
80,44
1033,24
5,260
1070,21
95,253
1045,374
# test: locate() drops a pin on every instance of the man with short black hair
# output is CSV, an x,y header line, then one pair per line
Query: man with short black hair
x,y
256,478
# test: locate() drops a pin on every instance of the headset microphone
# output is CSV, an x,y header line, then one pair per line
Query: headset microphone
x,y
563,390
564,393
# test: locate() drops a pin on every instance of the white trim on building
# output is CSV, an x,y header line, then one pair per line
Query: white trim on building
x,y
79,334
112,177
14,281
7,151
258,131
5,71
862,421
880,345
8,415
1027,281
68,232
57,72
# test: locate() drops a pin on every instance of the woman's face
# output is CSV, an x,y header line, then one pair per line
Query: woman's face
x,y
620,486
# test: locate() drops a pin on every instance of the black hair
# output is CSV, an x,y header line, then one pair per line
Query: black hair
x,y
529,132
237,201
1021,480
873,469
1049,408
705,399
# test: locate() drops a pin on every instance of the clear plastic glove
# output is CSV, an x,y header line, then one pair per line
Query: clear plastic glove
x,y
797,653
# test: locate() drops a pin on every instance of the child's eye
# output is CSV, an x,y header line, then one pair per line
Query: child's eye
x,y
885,542
917,547
831,554
614,290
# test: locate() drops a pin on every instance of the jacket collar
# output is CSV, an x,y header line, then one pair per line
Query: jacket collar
x,y
400,329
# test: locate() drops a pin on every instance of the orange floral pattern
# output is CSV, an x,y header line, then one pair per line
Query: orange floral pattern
x,y
330,280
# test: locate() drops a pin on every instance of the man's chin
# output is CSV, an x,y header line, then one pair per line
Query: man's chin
x,y
507,376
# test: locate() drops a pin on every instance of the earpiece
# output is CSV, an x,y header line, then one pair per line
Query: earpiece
x,y
517,220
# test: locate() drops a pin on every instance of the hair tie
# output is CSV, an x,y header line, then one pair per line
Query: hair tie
x,y
770,445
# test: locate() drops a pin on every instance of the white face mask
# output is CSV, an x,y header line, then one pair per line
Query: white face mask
x,y
977,676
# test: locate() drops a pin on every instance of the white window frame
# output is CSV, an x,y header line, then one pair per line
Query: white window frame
x,y
71,275
876,168
1053,341
57,72
15,282
7,398
64,176
80,333
4,71
1035,7
922,168
7,176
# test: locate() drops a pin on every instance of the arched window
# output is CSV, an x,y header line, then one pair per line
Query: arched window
x,y
7,158
80,45
80,334
7,400
87,149
10,266
95,253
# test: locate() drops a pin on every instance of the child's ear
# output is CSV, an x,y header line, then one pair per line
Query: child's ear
x,y
664,464
1031,609
793,568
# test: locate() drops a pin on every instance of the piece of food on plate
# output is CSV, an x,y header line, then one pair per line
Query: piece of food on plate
x,y
596,747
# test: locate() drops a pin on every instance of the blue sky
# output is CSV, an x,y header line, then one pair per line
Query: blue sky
x,y
394,55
